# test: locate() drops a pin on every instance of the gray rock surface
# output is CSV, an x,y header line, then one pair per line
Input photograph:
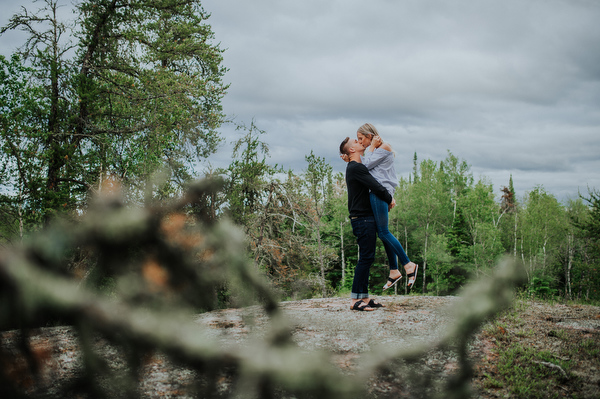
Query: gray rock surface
x,y
329,324
325,324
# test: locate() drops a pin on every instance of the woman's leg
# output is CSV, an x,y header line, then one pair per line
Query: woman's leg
x,y
391,255
380,210
395,274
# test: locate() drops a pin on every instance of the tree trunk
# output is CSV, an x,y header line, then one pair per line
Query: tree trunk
x,y
569,266
342,250
475,257
515,237
523,261
425,258
20,214
262,226
580,294
453,212
405,240
56,159
321,261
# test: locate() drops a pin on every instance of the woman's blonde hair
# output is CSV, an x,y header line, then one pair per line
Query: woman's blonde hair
x,y
368,130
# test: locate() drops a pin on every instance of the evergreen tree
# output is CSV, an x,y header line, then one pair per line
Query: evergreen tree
x,y
586,222
53,185
337,233
248,176
141,93
319,182
21,130
509,222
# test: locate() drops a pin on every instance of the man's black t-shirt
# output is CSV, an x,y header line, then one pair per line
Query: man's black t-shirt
x,y
359,182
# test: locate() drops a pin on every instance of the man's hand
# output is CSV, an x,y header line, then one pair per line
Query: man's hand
x,y
392,204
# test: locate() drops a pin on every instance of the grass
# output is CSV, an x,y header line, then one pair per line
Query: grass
x,y
533,353
523,371
528,372
589,348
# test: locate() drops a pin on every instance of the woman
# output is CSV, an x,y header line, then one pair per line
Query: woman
x,y
379,159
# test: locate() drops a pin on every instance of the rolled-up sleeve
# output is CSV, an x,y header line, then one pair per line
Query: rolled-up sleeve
x,y
375,158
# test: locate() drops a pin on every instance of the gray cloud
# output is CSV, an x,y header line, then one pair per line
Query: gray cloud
x,y
510,86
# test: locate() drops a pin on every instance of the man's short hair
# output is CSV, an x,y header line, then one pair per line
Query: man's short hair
x,y
343,146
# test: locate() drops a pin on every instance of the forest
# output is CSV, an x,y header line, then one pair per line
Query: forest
x,y
130,96
108,229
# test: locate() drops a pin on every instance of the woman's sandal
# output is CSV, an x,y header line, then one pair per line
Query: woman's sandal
x,y
364,308
412,277
373,304
391,282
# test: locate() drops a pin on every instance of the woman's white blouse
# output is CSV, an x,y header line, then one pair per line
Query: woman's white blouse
x,y
381,166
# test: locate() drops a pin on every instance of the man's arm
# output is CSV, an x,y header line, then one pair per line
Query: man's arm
x,y
364,177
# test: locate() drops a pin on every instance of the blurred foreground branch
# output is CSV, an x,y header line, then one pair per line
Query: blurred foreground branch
x,y
480,302
164,266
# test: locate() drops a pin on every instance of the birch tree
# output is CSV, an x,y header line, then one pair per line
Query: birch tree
x,y
457,178
542,230
480,212
431,210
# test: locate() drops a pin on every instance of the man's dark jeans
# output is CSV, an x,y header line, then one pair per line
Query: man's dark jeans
x,y
365,230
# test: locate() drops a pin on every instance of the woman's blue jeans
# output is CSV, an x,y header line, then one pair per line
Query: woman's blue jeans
x,y
393,248
366,236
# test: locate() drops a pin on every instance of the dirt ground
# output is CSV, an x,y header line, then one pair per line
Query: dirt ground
x,y
328,324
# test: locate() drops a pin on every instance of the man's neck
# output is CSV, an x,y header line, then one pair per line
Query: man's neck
x,y
355,156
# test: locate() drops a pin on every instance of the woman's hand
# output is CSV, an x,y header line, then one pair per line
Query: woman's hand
x,y
345,157
376,142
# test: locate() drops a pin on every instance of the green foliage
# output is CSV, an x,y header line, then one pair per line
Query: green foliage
x,y
337,235
542,230
20,134
542,287
163,265
480,212
139,95
248,176
584,248
440,264
155,266
591,224
319,183
131,95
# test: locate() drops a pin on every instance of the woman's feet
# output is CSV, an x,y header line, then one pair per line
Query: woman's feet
x,y
412,275
394,277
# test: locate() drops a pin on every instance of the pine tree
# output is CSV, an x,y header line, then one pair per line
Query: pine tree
x,y
141,93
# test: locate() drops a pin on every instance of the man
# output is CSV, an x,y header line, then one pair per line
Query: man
x,y
359,182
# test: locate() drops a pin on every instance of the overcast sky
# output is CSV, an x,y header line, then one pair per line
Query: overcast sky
x,y
510,86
